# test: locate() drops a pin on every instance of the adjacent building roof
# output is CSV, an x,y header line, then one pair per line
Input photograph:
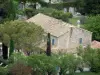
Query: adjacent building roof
x,y
51,25
95,44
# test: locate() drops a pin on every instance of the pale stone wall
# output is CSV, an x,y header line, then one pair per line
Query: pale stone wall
x,y
63,41
68,42
76,34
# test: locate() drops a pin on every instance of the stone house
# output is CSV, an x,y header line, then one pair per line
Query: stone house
x,y
64,36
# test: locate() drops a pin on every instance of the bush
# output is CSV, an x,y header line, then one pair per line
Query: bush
x,y
3,71
40,64
43,64
20,69
58,14
69,63
92,58
30,12
92,24
61,15
62,5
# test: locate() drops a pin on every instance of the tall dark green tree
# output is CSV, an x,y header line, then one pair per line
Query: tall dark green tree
x,y
48,51
8,10
88,6
92,6
11,47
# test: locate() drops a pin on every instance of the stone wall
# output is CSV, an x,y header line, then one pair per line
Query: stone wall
x,y
63,40
79,36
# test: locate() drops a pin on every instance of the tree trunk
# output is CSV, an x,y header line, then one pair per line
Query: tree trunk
x,y
5,51
49,73
61,71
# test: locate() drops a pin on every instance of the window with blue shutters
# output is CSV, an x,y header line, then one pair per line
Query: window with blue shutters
x,y
80,40
53,41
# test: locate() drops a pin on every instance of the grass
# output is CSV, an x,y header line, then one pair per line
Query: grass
x,y
73,20
87,73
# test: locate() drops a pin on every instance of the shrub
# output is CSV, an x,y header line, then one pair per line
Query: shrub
x,y
58,14
92,24
69,14
92,58
43,64
30,12
20,69
62,5
61,15
3,71
68,63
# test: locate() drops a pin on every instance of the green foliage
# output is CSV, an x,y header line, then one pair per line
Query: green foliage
x,y
25,35
73,20
50,12
62,5
30,12
60,15
10,7
20,69
88,6
11,50
79,4
93,24
80,50
42,63
3,71
56,13
92,58
46,11
87,73
69,63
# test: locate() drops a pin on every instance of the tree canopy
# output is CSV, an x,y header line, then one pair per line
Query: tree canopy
x,y
93,24
10,7
88,6
25,35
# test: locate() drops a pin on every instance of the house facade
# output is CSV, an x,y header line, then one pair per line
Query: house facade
x,y
64,36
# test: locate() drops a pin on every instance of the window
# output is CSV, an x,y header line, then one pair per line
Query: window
x,y
80,40
53,41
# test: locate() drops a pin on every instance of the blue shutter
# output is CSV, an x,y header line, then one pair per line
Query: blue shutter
x,y
53,41
80,41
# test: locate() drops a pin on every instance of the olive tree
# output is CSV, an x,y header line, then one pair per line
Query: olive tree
x,y
26,36
68,62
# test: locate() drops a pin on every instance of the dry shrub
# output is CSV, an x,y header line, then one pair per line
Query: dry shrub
x,y
20,69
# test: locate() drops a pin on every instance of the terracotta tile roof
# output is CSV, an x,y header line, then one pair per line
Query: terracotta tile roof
x,y
95,44
49,24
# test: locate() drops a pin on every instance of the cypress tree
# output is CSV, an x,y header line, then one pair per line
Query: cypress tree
x,y
11,47
48,51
